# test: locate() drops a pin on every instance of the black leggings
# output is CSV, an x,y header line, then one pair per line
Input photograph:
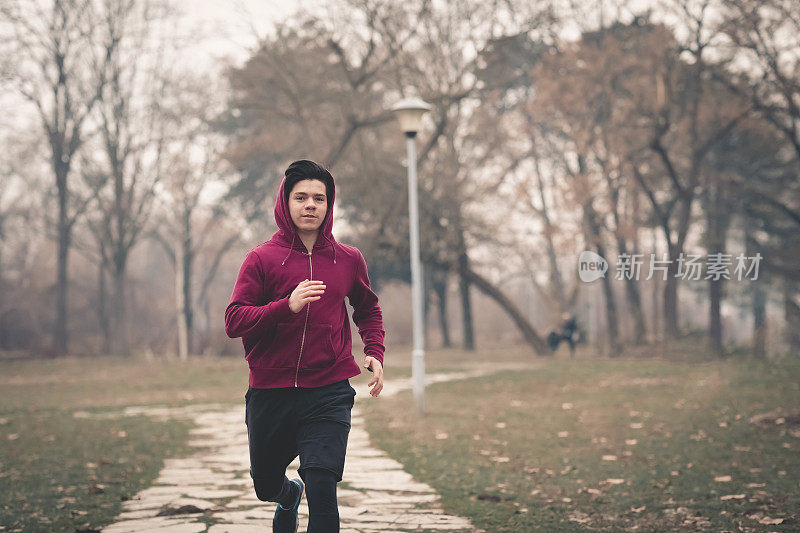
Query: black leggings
x,y
323,511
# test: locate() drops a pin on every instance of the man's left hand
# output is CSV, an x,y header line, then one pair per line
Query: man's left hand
x,y
377,377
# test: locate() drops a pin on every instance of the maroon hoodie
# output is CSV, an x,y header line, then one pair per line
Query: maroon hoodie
x,y
313,347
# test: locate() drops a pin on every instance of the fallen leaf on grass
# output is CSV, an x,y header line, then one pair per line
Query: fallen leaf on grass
x,y
636,425
614,481
638,509
741,448
700,435
722,479
563,434
499,459
609,458
566,406
755,485
500,425
3,421
13,436
516,403
767,521
441,435
631,442
579,517
733,497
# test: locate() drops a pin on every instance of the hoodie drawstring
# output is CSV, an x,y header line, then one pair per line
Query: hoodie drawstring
x,y
332,246
294,234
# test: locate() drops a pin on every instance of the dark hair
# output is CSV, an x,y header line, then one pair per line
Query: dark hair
x,y
307,170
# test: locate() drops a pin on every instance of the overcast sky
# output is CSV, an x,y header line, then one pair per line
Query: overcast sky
x,y
228,29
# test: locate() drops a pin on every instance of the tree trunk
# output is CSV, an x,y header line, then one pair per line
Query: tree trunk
x,y
759,320
612,319
466,305
119,324
759,301
556,282
102,312
183,284
440,286
593,236
791,313
715,319
718,221
61,336
427,295
656,307
671,296
634,300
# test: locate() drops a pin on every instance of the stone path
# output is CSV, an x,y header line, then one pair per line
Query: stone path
x,y
377,494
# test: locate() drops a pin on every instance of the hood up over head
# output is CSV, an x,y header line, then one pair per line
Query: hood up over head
x,y
287,233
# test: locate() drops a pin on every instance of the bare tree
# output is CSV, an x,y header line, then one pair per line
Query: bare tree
x,y
60,58
189,224
130,136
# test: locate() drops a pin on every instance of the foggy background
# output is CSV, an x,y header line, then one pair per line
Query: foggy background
x,y
143,143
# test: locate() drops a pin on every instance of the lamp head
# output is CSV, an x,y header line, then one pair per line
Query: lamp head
x,y
409,112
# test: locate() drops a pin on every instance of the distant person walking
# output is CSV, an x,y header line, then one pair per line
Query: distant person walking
x,y
569,333
288,308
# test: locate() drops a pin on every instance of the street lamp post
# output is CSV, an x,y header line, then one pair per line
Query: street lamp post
x,y
409,113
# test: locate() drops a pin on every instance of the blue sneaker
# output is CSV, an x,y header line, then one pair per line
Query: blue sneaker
x,y
285,520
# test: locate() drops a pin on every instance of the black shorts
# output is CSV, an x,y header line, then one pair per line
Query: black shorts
x,y
283,423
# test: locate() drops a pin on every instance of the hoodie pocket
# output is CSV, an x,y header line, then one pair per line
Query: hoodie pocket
x,y
282,350
318,349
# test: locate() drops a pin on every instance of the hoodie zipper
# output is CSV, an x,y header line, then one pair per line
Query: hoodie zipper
x,y
305,325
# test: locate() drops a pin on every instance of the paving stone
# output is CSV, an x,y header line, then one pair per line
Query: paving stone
x,y
381,496
239,528
203,492
156,524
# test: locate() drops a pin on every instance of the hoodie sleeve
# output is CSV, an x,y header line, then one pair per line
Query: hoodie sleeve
x,y
244,315
366,311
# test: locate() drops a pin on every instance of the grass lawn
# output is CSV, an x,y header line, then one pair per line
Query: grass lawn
x,y
491,446
62,473
612,444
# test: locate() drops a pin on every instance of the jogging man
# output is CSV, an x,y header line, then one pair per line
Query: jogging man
x,y
288,308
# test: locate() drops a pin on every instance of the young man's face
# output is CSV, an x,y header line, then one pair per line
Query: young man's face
x,y
308,204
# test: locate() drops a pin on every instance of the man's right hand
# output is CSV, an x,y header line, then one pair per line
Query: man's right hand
x,y
306,291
